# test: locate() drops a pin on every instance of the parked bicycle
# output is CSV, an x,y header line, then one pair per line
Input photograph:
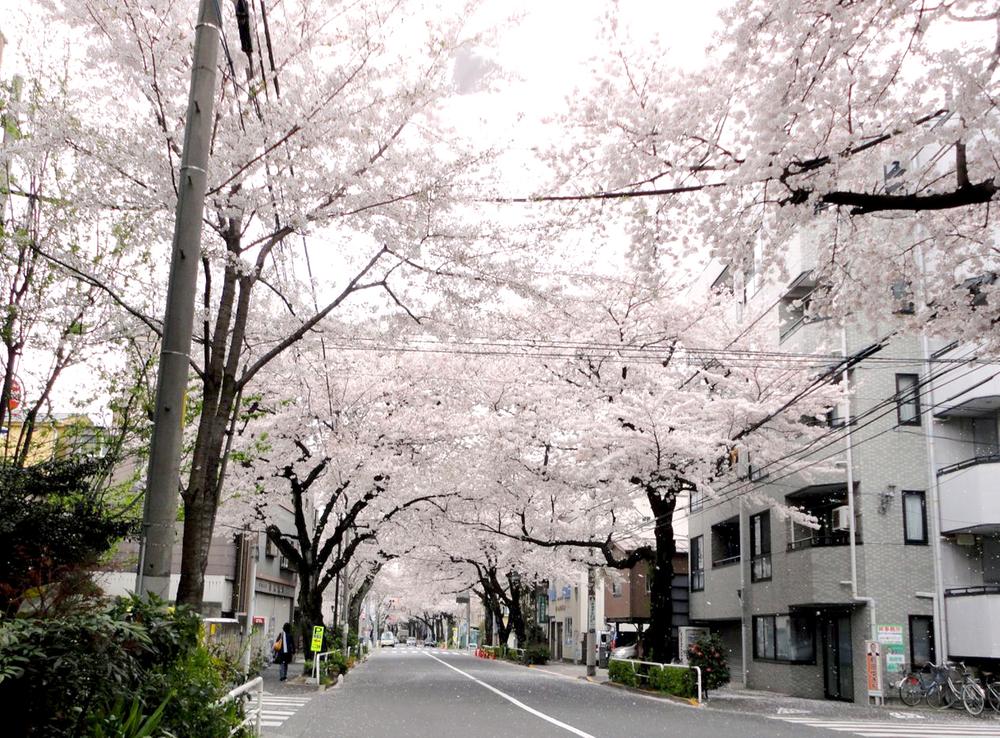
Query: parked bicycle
x,y
913,686
949,682
975,696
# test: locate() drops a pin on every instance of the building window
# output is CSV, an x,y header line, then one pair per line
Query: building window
x,y
914,518
828,504
697,500
697,563
907,399
726,542
616,587
787,638
760,546
921,640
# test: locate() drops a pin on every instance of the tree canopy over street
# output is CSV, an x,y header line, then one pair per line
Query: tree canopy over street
x,y
471,358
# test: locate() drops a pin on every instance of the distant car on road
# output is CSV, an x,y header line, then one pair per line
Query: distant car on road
x,y
388,640
411,641
624,652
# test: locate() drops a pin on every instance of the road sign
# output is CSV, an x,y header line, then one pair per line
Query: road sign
x,y
317,641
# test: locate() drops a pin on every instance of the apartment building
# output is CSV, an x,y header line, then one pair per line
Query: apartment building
x,y
795,604
966,393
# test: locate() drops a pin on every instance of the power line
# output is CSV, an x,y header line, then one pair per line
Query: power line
x,y
732,494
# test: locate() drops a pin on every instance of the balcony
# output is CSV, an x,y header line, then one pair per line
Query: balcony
x,y
971,390
973,621
969,500
812,575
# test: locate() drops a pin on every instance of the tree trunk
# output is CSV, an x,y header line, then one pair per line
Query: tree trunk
x,y
310,610
660,645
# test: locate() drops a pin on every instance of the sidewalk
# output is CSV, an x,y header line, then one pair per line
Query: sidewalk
x,y
737,699
295,684
576,671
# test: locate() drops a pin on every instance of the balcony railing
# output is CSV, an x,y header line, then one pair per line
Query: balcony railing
x,y
728,561
760,567
968,463
837,538
981,589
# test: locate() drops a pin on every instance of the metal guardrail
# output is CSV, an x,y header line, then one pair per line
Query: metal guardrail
x,y
642,675
318,663
253,711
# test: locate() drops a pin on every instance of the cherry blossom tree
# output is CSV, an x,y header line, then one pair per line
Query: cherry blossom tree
x,y
359,460
865,132
327,134
55,323
646,413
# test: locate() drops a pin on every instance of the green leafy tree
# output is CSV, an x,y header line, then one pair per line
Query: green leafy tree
x,y
54,525
709,654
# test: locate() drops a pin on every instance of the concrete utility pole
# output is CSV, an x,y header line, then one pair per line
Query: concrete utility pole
x,y
591,624
468,619
163,479
344,608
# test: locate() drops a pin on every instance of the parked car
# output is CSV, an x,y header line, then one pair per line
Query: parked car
x,y
430,642
388,640
411,641
625,652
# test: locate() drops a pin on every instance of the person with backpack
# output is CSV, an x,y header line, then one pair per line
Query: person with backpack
x,y
284,649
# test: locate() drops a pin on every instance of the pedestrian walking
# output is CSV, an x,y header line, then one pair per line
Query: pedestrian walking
x,y
284,649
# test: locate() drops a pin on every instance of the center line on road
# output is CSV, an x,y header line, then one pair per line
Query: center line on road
x,y
512,700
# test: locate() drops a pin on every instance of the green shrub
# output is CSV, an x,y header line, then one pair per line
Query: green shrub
x,y
673,681
64,673
709,654
537,653
126,722
621,672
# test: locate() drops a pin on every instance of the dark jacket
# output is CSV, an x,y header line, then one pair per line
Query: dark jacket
x,y
286,648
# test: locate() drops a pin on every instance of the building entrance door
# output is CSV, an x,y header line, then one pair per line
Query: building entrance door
x,y
838,664
555,640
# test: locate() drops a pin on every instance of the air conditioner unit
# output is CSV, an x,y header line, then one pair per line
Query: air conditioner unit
x,y
842,518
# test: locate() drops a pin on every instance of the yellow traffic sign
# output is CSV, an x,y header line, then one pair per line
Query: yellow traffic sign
x,y
317,641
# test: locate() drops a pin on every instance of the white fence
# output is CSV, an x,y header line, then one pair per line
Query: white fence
x,y
255,688
644,675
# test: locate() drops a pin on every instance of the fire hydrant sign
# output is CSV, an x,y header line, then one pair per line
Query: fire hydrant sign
x,y
317,641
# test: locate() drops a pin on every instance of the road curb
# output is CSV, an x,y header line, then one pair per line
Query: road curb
x,y
691,701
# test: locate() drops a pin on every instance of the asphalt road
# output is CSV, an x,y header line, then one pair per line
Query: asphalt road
x,y
423,692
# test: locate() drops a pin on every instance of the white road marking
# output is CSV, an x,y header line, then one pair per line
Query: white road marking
x,y
512,700
883,729
276,709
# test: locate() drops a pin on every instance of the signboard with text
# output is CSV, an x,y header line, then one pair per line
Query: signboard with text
x,y
890,638
873,669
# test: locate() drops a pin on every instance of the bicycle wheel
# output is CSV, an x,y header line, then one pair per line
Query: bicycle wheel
x,y
940,696
973,698
911,691
993,696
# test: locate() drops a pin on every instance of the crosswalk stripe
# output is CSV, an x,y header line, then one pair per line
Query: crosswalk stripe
x,y
883,729
276,709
